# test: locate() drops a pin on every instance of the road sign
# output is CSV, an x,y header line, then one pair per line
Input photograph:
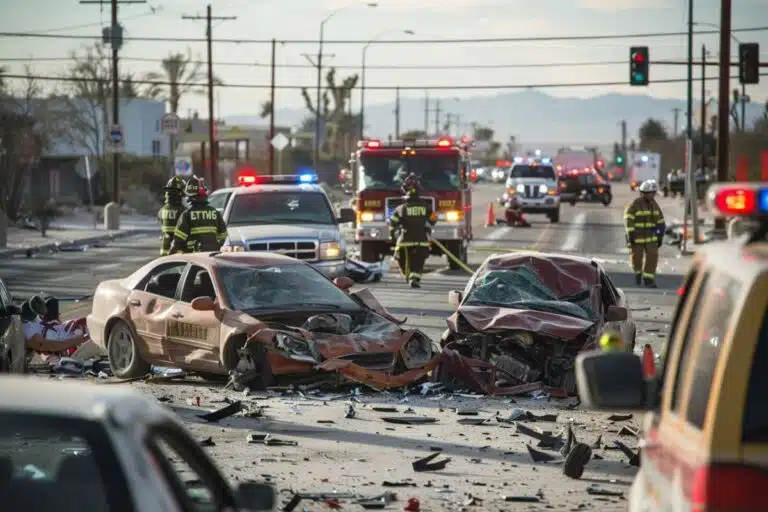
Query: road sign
x,y
170,124
183,166
280,141
115,141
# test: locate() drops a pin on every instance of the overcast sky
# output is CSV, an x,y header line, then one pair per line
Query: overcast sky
x,y
300,19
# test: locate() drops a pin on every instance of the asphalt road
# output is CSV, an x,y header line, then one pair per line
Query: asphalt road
x,y
339,456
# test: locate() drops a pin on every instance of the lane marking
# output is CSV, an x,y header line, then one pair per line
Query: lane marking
x,y
575,233
540,238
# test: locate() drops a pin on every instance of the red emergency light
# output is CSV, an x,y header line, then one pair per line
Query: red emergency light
x,y
465,140
247,177
372,144
445,142
600,164
736,201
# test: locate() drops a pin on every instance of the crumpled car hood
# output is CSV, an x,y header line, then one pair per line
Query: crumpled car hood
x,y
371,341
488,318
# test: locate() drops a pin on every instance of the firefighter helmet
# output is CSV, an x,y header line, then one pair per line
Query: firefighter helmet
x,y
195,188
411,185
649,186
175,184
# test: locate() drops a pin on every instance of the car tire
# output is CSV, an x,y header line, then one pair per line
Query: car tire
x,y
257,379
124,357
607,201
576,460
554,217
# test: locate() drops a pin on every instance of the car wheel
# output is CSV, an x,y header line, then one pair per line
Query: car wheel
x,y
123,352
554,217
573,203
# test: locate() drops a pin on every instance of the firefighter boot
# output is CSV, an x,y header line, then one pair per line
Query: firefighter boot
x,y
415,282
649,282
638,278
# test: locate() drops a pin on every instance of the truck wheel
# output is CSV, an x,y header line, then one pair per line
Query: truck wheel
x,y
368,252
554,217
458,250
607,200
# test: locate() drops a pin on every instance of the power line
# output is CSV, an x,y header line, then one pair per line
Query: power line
x,y
380,87
593,37
255,64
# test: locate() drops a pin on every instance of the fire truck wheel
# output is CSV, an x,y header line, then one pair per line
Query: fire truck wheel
x,y
368,252
460,251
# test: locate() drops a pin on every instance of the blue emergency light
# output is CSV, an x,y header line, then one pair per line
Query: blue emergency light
x,y
307,178
546,160
249,178
518,159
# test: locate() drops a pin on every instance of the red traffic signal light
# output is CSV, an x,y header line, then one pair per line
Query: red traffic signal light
x,y
638,57
638,65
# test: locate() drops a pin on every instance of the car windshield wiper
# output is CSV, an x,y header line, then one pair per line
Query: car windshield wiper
x,y
318,305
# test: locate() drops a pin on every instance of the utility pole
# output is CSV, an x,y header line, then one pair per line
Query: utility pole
x,y
438,111
397,113
213,150
458,125
448,122
624,147
703,107
114,35
676,111
426,114
723,101
272,110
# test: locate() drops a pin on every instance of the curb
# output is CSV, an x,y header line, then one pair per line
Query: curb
x,y
10,253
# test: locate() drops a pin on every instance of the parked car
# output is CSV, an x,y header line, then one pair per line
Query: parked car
x,y
12,345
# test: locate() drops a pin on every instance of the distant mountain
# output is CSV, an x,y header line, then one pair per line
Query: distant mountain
x,y
535,118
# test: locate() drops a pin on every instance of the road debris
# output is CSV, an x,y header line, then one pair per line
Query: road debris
x,y
540,456
545,440
576,460
620,417
224,412
522,499
426,464
629,431
268,440
409,420
596,490
570,441
473,421
634,458
207,442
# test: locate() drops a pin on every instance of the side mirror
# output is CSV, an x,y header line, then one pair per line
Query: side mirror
x,y
616,314
203,304
255,496
343,283
454,298
346,215
611,381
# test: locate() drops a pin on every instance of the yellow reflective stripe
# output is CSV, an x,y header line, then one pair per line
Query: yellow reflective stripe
x,y
394,218
660,221
415,275
205,230
168,229
648,276
180,234
629,230
164,252
629,216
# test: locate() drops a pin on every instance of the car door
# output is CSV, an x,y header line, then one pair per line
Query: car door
x,y
13,353
193,336
149,305
186,472
613,296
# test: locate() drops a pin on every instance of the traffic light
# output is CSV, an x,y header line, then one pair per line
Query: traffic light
x,y
619,159
749,63
638,65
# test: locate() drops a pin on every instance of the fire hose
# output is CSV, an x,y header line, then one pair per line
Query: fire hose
x,y
451,256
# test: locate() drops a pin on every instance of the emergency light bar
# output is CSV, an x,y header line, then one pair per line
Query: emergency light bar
x,y
742,200
247,179
443,143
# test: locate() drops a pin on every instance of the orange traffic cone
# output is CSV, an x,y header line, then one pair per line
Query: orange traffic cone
x,y
649,363
490,217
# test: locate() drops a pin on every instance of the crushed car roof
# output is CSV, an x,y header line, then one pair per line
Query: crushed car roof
x,y
243,258
562,273
84,400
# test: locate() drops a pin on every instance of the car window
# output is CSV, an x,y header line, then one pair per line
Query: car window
x,y
183,467
198,283
755,424
281,207
219,201
688,346
163,280
50,463
610,295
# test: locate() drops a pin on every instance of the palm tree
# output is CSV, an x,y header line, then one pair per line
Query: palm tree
x,y
180,76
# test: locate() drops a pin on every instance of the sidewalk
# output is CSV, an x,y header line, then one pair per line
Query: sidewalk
x,y
73,231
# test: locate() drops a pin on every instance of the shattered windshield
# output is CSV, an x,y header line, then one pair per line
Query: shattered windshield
x,y
281,287
521,288
387,172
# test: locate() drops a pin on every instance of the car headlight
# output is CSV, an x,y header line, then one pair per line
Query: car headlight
x,y
543,189
233,246
295,348
330,251
417,351
520,189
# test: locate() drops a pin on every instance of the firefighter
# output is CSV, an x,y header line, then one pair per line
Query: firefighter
x,y
645,227
169,213
413,220
200,227
514,214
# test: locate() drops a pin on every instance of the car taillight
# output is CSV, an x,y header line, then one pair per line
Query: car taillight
x,y
728,488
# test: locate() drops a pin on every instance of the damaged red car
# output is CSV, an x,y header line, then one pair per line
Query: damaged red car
x,y
257,317
522,319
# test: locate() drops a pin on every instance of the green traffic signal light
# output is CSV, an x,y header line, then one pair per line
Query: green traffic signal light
x,y
619,159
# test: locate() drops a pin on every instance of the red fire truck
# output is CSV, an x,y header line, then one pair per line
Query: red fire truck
x,y
443,165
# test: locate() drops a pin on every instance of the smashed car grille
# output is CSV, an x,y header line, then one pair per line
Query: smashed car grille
x,y
299,249
380,361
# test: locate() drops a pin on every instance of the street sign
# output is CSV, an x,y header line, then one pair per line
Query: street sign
x,y
170,124
115,141
280,141
183,166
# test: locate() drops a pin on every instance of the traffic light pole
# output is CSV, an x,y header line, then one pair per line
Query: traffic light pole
x,y
723,102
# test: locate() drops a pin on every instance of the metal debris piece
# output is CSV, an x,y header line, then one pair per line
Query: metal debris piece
x,y
224,412
628,431
268,440
426,464
472,501
577,460
384,409
542,417
467,412
326,422
514,415
634,458
522,499
598,442
620,417
538,455
595,490
570,441
402,483
377,502
409,420
546,441
350,411
207,442
473,421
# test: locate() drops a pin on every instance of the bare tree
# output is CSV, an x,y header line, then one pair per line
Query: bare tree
x,y
180,76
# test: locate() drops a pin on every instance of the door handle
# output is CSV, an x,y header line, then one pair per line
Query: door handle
x,y
134,302
177,315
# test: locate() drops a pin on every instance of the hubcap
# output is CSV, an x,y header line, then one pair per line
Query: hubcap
x,y
121,349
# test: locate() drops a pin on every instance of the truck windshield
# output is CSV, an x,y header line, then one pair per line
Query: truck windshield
x,y
544,172
280,208
387,172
